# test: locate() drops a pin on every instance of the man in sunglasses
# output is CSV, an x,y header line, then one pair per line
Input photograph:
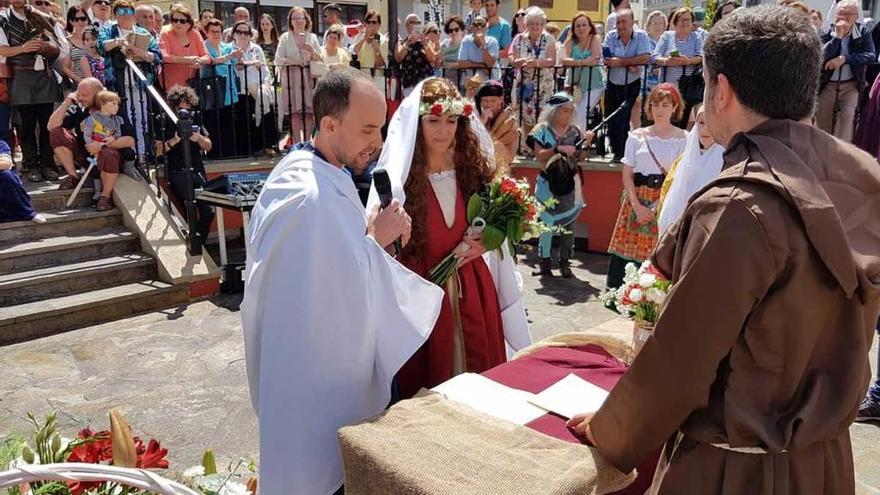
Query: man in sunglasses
x,y
31,43
478,51
99,12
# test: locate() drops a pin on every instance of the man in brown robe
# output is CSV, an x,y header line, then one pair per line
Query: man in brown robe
x,y
760,356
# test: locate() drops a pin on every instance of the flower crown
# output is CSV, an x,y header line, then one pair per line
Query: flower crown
x,y
447,106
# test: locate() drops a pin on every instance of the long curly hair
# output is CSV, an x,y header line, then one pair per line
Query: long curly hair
x,y
472,169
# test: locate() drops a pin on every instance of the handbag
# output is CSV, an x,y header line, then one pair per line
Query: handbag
x,y
692,85
211,91
317,68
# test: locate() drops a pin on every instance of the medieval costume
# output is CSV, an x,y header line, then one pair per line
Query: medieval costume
x,y
650,158
34,87
760,356
482,317
502,127
558,186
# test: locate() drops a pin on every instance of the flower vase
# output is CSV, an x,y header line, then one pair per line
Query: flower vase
x,y
642,331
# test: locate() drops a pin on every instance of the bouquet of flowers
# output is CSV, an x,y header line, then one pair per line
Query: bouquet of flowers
x,y
504,211
642,294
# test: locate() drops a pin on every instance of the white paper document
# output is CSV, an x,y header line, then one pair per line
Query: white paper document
x,y
491,397
570,396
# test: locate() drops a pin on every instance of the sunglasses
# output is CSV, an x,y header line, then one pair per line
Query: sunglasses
x,y
178,20
372,23
453,30
41,3
124,12
243,33
80,19
479,24
102,2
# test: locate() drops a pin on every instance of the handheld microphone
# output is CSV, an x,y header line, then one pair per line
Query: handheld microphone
x,y
383,188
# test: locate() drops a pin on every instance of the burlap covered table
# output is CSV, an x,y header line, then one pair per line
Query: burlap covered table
x,y
430,445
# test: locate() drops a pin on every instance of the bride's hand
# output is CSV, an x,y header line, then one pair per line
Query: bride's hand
x,y
476,250
580,426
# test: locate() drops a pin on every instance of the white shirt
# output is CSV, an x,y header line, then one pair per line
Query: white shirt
x,y
639,158
57,30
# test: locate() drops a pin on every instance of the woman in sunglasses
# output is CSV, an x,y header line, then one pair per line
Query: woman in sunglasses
x,y
256,129
454,29
115,46
182,47
77,22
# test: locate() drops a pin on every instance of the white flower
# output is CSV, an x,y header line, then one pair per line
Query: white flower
x,y
194,471
457,107
647,279
630,269
656,296
636,295
234,488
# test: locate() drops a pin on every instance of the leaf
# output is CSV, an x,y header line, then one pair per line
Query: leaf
x,y
124,453
209,463
492,237
473,207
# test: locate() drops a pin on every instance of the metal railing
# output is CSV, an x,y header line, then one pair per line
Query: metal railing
x,y
144,108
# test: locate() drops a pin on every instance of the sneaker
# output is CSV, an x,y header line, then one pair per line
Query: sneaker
x,y
565,269
35,175
869,410
104,204
49,173
38,218
68,183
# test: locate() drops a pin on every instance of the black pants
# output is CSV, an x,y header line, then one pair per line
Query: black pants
x,y
222,130
35,119
618,127
204,213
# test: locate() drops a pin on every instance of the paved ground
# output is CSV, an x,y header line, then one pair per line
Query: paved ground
x,y
179,375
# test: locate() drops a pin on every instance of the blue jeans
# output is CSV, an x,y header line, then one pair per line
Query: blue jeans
x,y
874,391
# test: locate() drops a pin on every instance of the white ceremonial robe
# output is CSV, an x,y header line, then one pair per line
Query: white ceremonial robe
x,y
329,318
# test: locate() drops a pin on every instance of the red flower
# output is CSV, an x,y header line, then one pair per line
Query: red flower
x,y
468,110
508,186
532,211
153,457
436,109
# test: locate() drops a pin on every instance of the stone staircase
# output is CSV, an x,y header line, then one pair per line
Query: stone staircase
x,y
78,269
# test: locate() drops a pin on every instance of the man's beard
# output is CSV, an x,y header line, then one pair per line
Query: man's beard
x,y
348,159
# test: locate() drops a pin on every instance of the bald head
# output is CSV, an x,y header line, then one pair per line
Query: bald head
x,y
242,14
86,91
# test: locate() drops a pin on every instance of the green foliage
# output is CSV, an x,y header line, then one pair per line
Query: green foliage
x,y
710,6
10,447
689,4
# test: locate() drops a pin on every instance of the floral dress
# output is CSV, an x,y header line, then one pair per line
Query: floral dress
x,y
533,86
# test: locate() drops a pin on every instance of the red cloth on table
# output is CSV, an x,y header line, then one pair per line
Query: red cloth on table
x,y
481,328
537,371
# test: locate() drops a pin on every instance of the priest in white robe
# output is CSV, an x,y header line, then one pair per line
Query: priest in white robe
x,y
329,316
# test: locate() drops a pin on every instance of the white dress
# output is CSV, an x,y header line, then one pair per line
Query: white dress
x,y
638,157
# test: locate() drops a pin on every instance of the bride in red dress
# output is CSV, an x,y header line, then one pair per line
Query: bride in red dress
x,y
447,166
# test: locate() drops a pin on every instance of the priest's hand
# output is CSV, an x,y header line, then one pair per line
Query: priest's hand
x,y
389,224
580,426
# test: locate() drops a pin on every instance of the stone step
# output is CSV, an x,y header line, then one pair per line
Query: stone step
x,y
51,251
46,196
74,278
75,221
43,318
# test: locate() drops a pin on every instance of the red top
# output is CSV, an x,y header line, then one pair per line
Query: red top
x,y
481,328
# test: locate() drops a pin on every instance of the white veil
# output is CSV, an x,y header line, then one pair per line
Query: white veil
x,y
396,159
400,144
694,171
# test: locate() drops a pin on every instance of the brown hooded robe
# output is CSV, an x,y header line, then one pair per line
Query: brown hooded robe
x,y
764,338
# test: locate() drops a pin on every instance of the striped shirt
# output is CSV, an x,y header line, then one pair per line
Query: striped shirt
x,y
669,42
